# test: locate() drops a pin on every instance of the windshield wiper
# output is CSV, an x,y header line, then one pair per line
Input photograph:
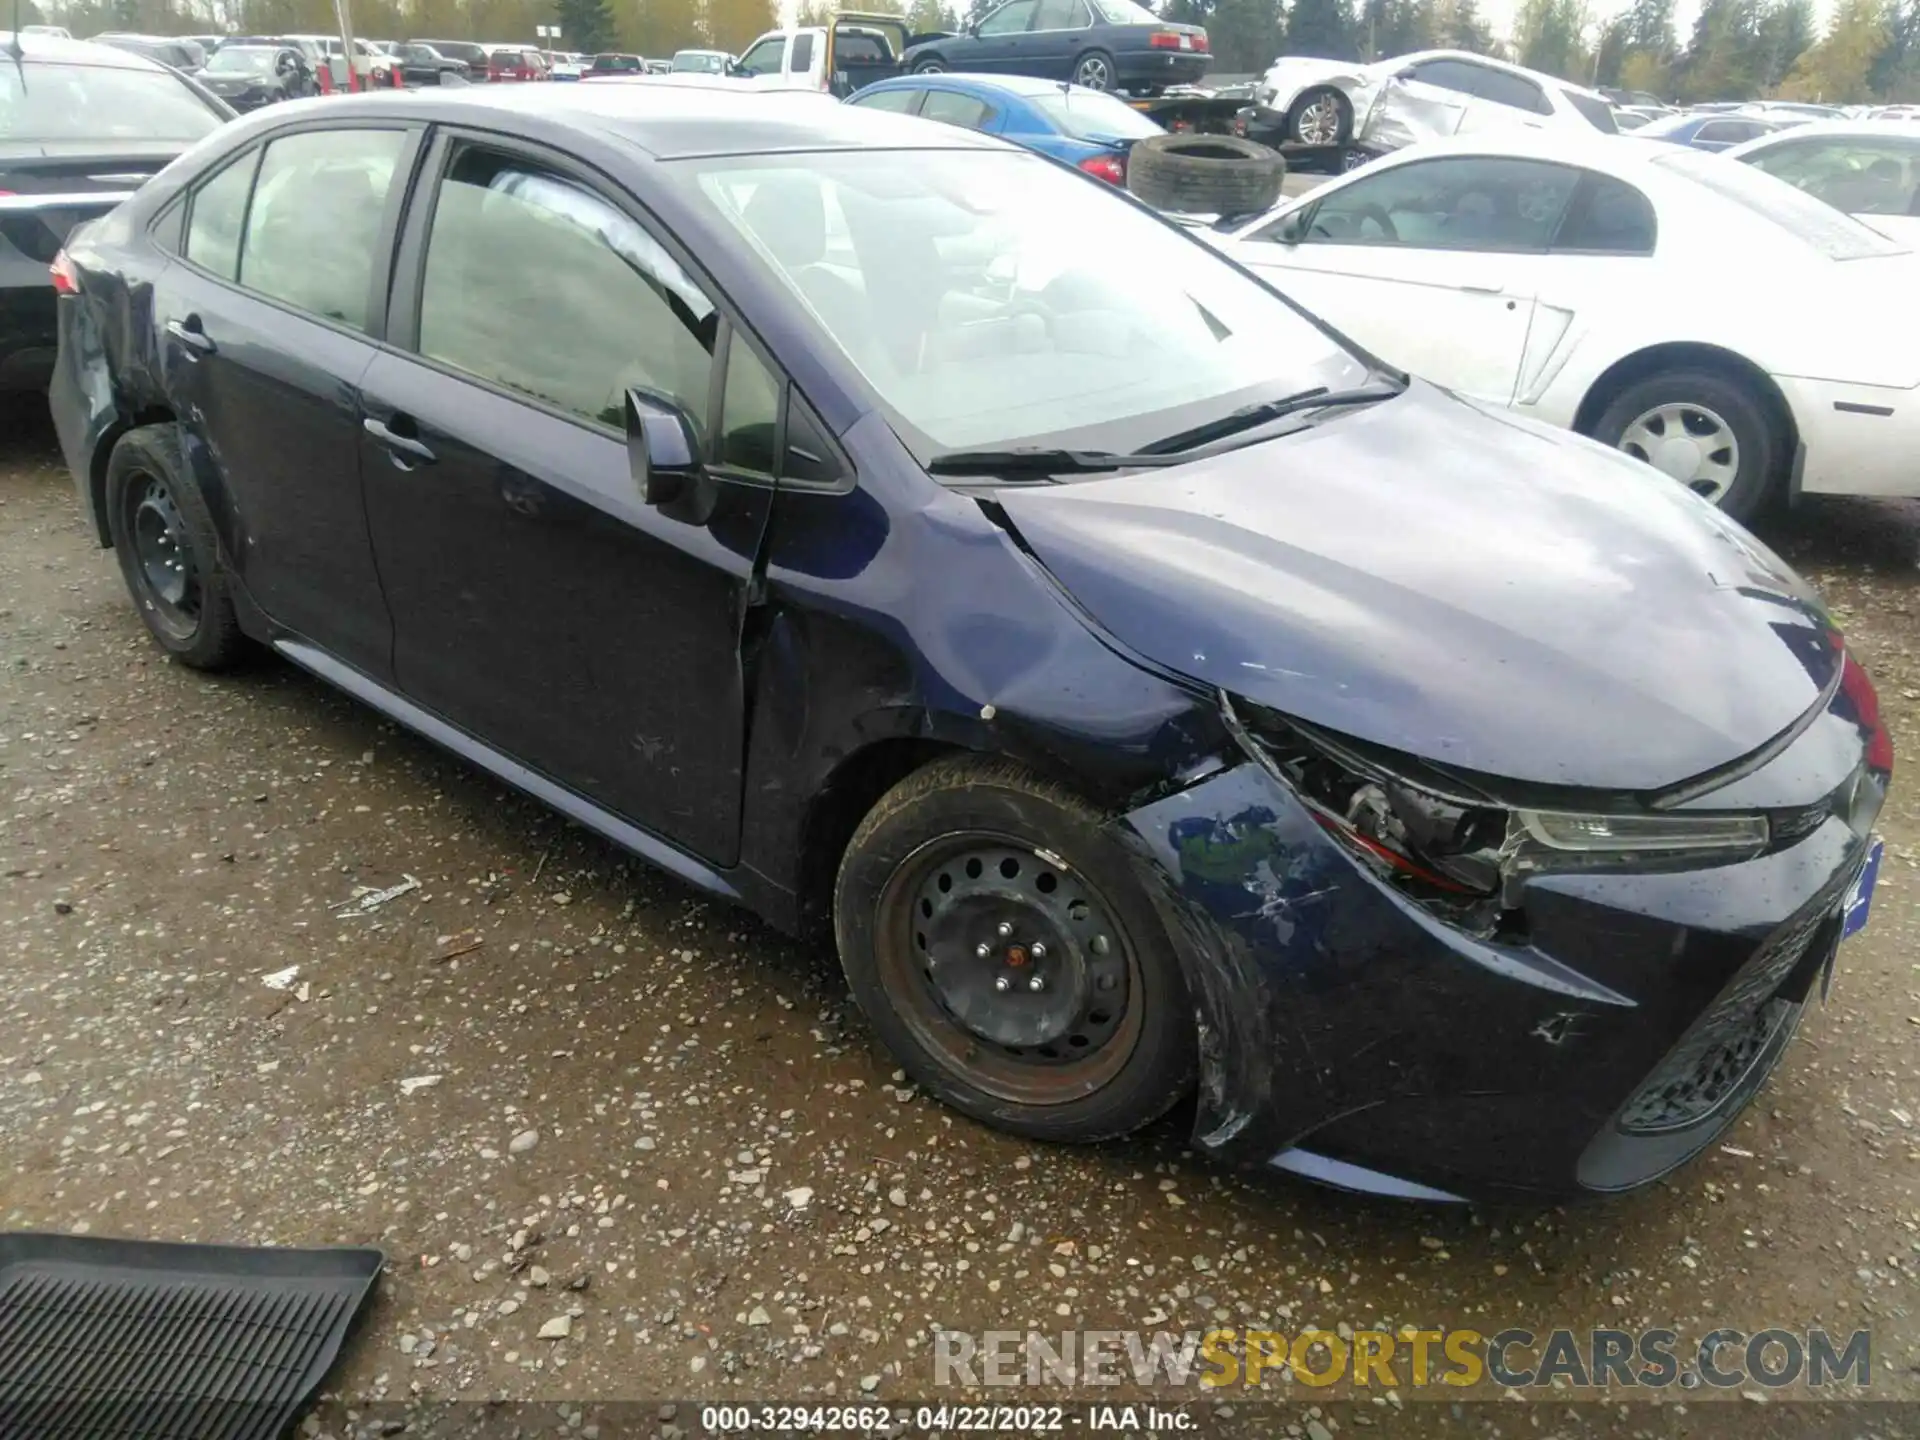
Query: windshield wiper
x,y
1035,460
1249,416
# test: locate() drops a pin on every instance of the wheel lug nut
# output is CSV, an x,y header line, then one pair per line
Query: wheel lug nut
x,y
1005,930
1037,984
983,950
1002,984
1101,945
1037,950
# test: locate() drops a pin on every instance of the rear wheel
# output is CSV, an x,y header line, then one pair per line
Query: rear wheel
x,y
999,943
1321,116
1094,71
169,553
932,65
1707,431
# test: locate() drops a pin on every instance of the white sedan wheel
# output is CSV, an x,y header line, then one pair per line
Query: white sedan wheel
x,y
1688,443
1319,123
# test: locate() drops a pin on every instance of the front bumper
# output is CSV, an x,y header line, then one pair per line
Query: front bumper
x,y
1859,439
1350,1035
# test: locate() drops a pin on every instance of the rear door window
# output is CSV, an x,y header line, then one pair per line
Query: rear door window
x,y
802,57
217,216
951,108
903,100
1504,89
316,218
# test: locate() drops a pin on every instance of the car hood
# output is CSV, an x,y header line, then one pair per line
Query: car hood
x,y
1458,584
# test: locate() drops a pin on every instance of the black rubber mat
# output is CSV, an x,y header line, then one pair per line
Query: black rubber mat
x,y
145,1340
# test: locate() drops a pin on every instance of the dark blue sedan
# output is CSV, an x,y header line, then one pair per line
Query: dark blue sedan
x,y
1709,131
1089,129
878,526
1101,44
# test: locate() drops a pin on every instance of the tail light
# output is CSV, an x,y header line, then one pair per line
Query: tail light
x,y
1110,168
65,280
1164,40
1200,42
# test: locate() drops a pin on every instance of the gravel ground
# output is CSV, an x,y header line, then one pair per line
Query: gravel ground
x,y
567,1095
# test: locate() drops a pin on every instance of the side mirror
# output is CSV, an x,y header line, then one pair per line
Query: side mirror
x,y
1407,74
1292,228
663,453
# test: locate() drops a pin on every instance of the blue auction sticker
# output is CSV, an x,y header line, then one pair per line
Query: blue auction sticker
x,y
1861,895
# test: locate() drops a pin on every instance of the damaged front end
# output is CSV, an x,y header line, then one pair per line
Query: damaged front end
x,y
1420,982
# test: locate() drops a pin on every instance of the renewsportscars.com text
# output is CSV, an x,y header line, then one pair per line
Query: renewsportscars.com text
x,y
1460,1359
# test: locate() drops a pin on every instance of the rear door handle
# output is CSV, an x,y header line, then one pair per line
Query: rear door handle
x,y
189,334
398,445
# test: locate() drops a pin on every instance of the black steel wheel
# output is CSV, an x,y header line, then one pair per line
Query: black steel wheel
x,y
168,550
999,942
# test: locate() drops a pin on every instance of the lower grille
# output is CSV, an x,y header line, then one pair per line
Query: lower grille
x,y
1717,1057
1696,1079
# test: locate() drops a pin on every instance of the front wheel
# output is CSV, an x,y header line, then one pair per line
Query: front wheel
x,y
1321,116
1706,430
1095,71
998,941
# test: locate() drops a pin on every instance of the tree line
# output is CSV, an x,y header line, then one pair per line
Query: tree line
x,y
1736,50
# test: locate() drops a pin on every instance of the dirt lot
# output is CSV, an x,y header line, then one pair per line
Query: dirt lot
x,y
550,1083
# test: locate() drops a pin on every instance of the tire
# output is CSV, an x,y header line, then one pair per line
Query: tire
x,y
1107,1047
1205,174
169,552
931,65
1305,117
1094,70
1739,438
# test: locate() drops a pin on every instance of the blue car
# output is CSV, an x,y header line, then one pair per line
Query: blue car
x,y
1709,131
1144,690
1086,128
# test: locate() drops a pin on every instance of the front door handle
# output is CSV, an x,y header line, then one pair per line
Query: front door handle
x,y
398,445
1485,289
190,334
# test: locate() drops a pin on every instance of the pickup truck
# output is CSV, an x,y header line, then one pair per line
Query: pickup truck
x,y
850,51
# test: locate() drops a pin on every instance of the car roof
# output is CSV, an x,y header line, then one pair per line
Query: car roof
x,y
79,52
1595,151
671,120
1493,63
1021,85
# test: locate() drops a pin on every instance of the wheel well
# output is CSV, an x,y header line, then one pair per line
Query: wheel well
x,y
1642,363
843,802
103,452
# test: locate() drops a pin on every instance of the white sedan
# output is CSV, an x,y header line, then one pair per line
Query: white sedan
x,y
1868,168
1422,96
1742,336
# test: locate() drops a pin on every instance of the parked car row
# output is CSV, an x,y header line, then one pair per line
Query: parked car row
x,y
1085,619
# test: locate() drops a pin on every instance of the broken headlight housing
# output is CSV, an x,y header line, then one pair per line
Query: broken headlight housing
x,y
1457,849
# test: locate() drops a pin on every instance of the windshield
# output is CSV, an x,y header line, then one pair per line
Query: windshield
x,y
95,102
1093,115
993,299
699,60
1815,224
241,60
1125,12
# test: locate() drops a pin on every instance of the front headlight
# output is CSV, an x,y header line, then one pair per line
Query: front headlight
x,y
1642,834
1458,851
